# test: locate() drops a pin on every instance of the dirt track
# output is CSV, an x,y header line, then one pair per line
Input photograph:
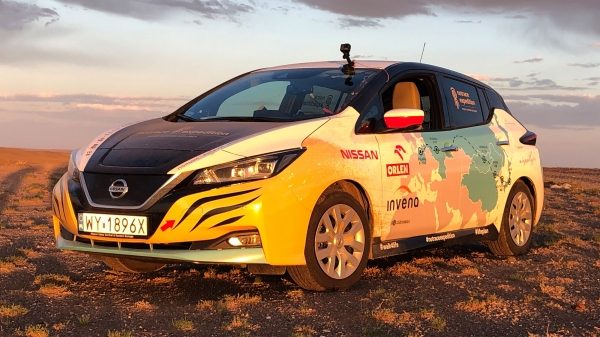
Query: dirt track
x,y
456,291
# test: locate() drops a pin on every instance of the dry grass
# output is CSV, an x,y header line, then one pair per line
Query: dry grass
x,y
303,331
429,261
240,322
30,253
484,306
470,271
460,262
119,333
305,310
38,330
183,324
52,290
12,311
403,269
555,292
206,305
161,280
295,295
234,303
11,263
57,279
58,326
6,267
390,317
53,285
372,272
83,319
143,306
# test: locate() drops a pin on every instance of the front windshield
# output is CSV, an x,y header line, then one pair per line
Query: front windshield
x,y
280,95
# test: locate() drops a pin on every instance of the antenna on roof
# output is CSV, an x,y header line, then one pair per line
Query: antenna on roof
x,y
422,52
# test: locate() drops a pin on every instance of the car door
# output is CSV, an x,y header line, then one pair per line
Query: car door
x,y
421,171
477,147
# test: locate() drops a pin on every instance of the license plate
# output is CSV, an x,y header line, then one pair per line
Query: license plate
x,y
113,225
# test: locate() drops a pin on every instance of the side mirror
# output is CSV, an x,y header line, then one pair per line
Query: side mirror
x,y
403,118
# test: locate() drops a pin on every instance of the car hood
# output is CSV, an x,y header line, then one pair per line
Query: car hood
x,y
158,146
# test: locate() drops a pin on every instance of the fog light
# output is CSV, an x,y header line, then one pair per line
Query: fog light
x,y
251,240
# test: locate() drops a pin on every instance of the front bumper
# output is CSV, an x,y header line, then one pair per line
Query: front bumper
x,y
278,208
221,256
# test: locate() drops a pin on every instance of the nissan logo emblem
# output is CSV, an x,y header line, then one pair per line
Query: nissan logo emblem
x,y
118,189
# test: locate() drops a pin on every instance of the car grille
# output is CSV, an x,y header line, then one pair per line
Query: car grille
x,y
140,188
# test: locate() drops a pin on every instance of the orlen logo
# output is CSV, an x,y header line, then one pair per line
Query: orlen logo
x,y
359,154
394,170
399,151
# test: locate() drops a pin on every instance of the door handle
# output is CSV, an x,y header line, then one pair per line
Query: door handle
x,y
502,142
449,148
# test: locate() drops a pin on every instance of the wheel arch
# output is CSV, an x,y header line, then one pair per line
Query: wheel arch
x,y
529,183
360,194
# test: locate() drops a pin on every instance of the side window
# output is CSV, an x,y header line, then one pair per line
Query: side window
x,y
463,103
426,99
484,105
496,101
262,96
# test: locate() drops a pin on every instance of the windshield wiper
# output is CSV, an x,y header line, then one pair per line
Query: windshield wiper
x,y
186,118
245,119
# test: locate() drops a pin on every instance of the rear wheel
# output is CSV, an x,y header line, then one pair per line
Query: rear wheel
x,y
337,244
517,223
129,265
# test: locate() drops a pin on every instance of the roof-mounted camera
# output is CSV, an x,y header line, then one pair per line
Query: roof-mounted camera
x,y
348,69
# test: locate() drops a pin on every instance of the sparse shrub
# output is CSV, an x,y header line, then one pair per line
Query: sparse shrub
x,y
240,322
183,324
143,305
57,279
12,310
402,269
303,331
296,294
119,333
470,271
83,319
233,303
38,330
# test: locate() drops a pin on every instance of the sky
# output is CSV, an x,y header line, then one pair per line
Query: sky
x,y
70,69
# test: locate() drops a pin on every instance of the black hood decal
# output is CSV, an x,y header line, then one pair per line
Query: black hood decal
x,y
156,146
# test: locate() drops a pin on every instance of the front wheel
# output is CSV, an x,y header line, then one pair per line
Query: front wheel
x,y
337,244
517,223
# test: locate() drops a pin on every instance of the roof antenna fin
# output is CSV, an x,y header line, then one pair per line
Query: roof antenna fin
x,y
348,69
422,52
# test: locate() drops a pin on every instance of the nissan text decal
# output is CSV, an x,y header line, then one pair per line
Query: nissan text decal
x,y
359,154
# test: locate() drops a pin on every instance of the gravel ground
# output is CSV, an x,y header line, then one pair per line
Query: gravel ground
x,y
453,290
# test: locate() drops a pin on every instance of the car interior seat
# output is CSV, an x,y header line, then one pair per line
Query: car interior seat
x,y
406,96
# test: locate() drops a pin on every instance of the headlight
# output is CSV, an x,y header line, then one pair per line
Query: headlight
x,y
259,167
73,171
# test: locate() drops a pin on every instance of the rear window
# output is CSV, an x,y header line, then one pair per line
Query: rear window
x,y
463,102
496,102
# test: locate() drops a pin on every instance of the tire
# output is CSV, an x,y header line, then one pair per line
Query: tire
x,y
514,237
129,265
343,248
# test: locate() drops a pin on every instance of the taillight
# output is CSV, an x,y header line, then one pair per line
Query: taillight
x,y
529,138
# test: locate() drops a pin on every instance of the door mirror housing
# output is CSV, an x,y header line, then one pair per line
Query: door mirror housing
x,y
403,118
